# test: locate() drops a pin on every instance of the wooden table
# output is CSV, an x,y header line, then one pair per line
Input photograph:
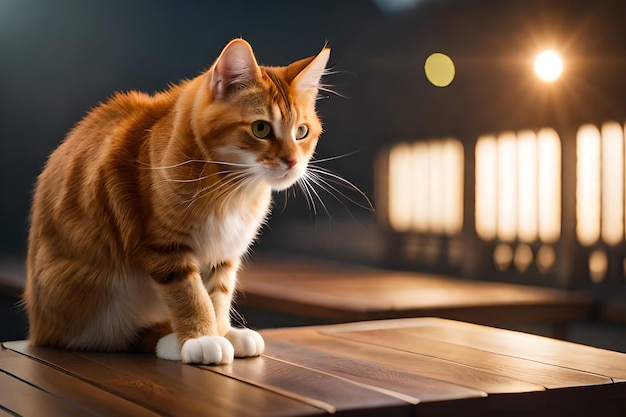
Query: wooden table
x,y
408,367
336,293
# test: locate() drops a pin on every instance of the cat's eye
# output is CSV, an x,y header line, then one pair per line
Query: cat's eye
x,y
302,132
262,129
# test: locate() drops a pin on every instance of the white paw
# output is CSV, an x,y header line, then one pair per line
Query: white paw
x,y
207,350
246,342
168,347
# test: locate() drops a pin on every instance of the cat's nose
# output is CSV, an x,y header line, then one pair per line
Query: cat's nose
x,y
290,162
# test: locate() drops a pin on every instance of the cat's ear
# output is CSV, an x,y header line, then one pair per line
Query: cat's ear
x,y
235,68
308,72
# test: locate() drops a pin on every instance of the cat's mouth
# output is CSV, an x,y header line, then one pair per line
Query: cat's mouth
x,y
285,177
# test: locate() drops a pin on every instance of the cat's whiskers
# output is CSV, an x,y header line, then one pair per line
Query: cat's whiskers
x,y
234,181
319,172
332,158
191,161
304,186
201,178
319,177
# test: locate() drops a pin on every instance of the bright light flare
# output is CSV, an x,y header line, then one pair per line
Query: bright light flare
x,y
548,66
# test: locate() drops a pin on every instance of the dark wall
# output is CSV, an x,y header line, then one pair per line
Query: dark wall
x,y
60,58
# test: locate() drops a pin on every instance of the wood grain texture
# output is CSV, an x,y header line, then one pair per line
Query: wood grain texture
x,y
75,391
509,343
336,293
400,368
5,413
582,378
24,399
522,369
168,387
392,360
414,387
313,386
536,348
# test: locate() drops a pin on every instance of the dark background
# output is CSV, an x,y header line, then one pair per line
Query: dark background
x,y
60,58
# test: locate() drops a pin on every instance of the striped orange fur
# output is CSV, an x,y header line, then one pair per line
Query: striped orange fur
x,y
141,216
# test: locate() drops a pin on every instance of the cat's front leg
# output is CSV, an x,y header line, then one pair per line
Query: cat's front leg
x,y
221,286
196,338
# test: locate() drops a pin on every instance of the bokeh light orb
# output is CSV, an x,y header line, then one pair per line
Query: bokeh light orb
x,y
439,69
548,66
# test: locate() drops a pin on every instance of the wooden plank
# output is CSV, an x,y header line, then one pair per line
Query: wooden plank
x,y
304,352
62,385
20,398
410,340
333,394
5,413
422,389
595,392
168,387
535,348
426,366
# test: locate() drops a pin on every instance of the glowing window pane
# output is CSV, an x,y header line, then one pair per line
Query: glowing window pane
x,y
527,185
549,173
421,167
426,187
436,187
612,183
453,186
507,187
400,175
588,185
624,191
486,187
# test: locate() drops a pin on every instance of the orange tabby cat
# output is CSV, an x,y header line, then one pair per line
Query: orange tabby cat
x,y
142,214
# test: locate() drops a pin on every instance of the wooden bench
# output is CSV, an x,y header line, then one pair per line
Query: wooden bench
x,y
326,293
407,367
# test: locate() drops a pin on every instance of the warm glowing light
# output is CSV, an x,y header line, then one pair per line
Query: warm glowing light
x,y
598,265
523,257
426,187
436,191
400,187
439,69
421,188
545,258
588,185
518,187
503,256
549,185
612,183
548,66
507,186
453,165
486,183
527,185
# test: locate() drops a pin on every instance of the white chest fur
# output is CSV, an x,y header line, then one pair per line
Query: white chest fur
x,y
228,234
